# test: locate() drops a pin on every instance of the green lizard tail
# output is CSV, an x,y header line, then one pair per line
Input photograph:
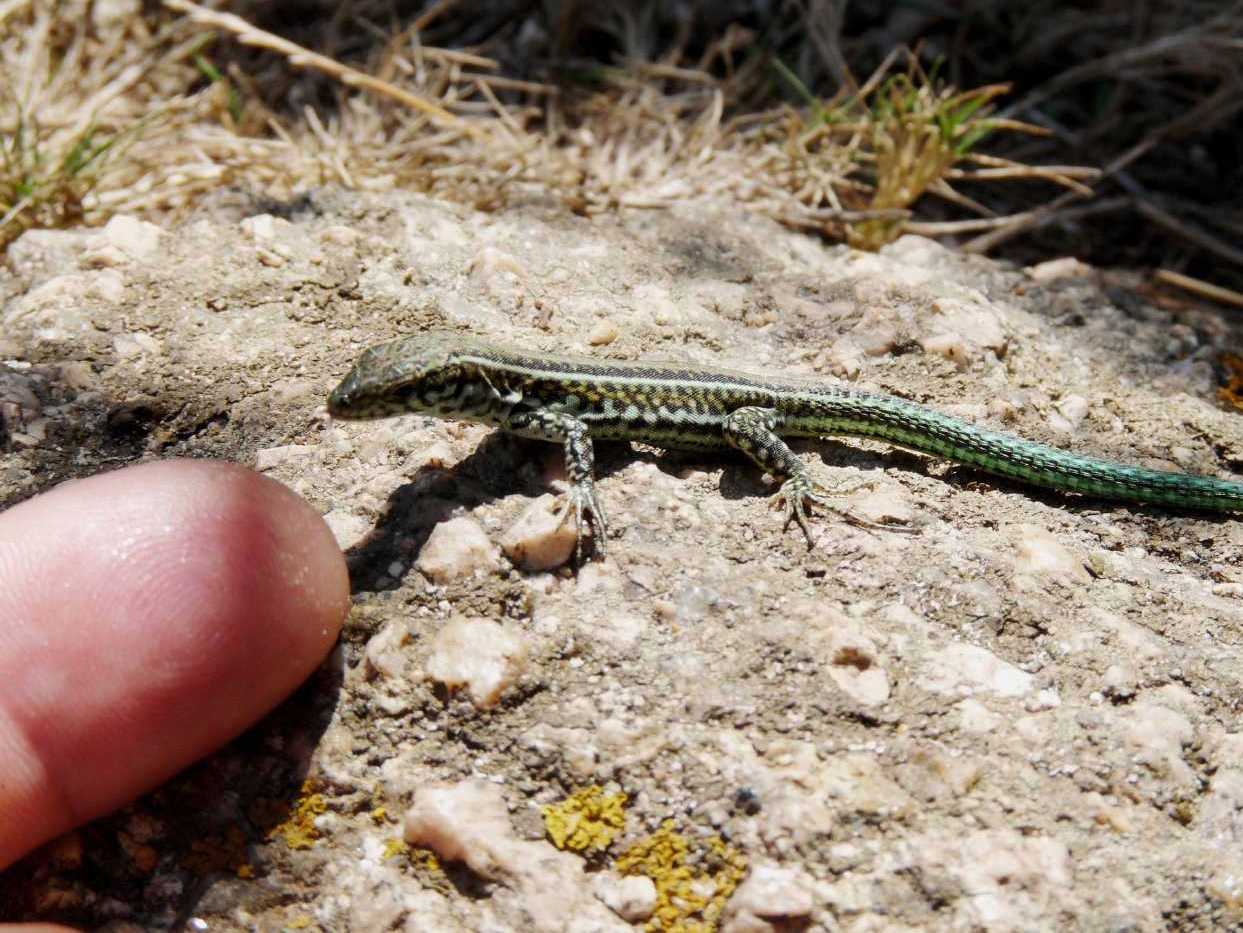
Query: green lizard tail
x,y
917,428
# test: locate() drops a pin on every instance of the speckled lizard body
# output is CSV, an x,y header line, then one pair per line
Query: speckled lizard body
x,y
573,400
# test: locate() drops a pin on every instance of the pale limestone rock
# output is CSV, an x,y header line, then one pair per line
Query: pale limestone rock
x,y
132,346
932,774
296,390
339,235
974,716
602,333
55,301
485,657
1176,697
461,311
1071,410
1035,731
918,251
263,228
45,250
1045,699
844,359
380,896
1228,750
385,656
348,528
996,879
463,822
123,239
963,669
1119,681
631,897
105,285
497,272
542,538
268,458
1066,267
490,261
456,549
622,632
1226,884
102,255
1220,817
789,782
656,301
855,665
962,332
773,897
727,299
576,747
273,258
1040,554
1157,735
879,340
468,822
856,783
1123,637
887,505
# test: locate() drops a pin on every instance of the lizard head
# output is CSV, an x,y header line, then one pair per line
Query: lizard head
x,y
407,375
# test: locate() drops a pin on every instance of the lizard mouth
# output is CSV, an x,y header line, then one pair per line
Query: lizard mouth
x,y
341,402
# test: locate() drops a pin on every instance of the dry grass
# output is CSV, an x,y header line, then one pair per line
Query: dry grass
x,y
859,162
86,104
147,115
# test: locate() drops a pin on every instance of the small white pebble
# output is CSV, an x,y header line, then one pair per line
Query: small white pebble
x,y
632,897
136,239
339,235
455,549
539,539
270,258
603,333
261,227
772,895
1067,267
483,656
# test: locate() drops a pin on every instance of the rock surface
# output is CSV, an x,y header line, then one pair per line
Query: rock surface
x,y
1023,717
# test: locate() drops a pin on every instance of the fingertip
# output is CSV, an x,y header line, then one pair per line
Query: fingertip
x,y
147,616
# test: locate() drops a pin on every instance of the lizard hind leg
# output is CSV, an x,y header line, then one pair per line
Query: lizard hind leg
x,y
754,430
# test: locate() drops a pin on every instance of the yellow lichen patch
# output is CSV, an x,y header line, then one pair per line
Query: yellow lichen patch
x,y
395,847
586,821
300,922
295,823
425,859
688,899
379,815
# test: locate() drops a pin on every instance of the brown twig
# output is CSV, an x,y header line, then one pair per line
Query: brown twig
x,y
299,57
1029,220
1199,287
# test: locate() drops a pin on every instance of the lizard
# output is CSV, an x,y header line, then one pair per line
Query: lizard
x,y
573,400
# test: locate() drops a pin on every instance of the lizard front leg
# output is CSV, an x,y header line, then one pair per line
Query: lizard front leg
x,y
753,430
579,467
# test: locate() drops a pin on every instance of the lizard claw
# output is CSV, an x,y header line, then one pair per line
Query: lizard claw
x,y
798,490
581,501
